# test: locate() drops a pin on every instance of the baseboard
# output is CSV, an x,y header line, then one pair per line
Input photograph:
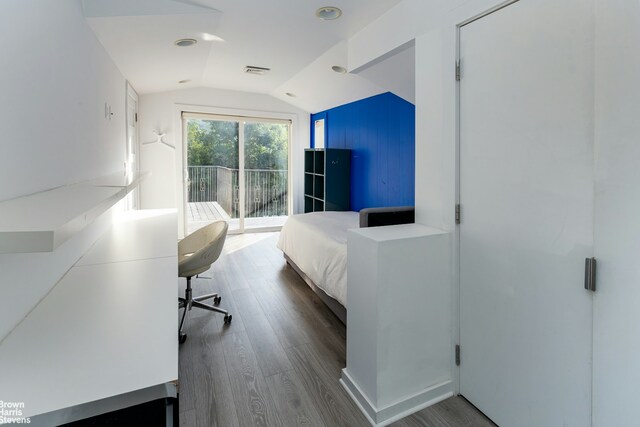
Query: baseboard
x,y
388,414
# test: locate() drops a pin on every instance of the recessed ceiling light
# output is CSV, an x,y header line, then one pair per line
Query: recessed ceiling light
x,y
184,81
185,42
328,13
339,69
292,95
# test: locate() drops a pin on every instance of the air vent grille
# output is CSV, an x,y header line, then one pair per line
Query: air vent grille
x,y
260,71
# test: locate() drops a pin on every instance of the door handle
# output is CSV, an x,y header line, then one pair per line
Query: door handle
x,y
590,274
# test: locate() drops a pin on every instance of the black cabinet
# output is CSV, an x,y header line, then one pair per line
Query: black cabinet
x,y
326,179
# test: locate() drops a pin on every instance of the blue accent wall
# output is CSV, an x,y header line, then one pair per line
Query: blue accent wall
x,y
380,131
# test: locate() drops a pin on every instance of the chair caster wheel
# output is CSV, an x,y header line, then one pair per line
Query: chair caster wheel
x,y
227,318
217,300
182,338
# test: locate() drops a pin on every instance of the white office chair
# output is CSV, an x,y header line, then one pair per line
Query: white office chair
x,y
196,253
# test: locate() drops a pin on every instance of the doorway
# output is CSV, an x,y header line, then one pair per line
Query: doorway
x,y
236,170
132,160
526,195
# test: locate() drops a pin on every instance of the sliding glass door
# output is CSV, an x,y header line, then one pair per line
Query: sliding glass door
x,y
236,170
212,172
266,173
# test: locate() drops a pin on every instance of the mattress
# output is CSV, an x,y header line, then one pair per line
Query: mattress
x,y
317,243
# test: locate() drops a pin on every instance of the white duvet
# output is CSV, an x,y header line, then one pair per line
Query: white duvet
x,y
317,243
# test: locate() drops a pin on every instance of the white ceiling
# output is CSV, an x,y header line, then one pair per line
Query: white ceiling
x,y
396,72
317,87
283,35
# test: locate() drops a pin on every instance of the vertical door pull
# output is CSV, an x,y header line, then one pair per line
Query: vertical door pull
x,y
590,274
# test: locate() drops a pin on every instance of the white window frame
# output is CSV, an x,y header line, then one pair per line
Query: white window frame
x,y
182,111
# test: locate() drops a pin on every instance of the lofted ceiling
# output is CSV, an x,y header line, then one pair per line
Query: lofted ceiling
x,y
283,35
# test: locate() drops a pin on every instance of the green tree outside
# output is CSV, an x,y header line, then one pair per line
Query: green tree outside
x,y
215,143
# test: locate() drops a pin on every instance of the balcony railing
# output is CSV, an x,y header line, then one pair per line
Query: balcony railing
x,y
266,190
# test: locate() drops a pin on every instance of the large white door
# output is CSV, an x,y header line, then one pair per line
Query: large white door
x,y
526,190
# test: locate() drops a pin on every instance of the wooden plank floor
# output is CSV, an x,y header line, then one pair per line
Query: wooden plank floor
x,y
279,361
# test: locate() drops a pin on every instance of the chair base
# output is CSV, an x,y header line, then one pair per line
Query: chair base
x,y
188,302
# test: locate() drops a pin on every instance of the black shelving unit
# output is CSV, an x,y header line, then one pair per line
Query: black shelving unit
x,y
326,179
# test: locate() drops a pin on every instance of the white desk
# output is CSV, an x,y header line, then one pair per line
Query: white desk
x,y
138,235
107,328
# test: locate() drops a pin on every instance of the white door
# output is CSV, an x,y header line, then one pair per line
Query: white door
x,y
526,191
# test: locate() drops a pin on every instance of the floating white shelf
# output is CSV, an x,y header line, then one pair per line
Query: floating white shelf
x,y
119,180
42,221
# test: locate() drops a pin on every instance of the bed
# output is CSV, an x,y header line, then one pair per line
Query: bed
x,y
315,246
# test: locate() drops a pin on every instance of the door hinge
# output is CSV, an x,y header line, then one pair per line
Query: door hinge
x,y
136,117
458,214
458,74
590,274
457,354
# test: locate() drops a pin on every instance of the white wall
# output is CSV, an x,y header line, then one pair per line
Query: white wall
x,y
25,279
397,342
432,25
159,112
617,213
399,25
617,150
55,79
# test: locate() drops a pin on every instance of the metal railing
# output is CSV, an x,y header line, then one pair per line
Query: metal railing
x,y
266,190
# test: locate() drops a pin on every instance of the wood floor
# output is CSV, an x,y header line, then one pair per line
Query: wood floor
x,y
279,361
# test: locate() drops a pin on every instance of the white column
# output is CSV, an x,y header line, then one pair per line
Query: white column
x,y
399,346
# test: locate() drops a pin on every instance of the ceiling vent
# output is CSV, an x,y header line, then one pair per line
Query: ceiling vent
x,y
259,71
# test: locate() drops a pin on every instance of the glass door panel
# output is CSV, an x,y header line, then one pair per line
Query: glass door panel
x,y
266,173
237,170
213,172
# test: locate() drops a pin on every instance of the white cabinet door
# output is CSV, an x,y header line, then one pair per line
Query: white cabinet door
x,y
526,190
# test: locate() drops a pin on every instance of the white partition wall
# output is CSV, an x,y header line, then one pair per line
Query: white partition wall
x,y
398,323
615,67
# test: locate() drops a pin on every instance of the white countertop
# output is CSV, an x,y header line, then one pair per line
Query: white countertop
x,y
138,235
108,327
397,232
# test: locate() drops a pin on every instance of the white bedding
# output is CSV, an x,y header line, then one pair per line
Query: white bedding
x,y
317,243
